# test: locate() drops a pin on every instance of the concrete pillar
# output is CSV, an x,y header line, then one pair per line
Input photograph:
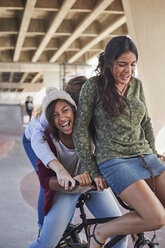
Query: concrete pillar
x,y
146,26
52,78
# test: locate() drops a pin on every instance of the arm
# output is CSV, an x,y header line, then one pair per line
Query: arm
x,y
147,125
54,185
80,135
84,179
63,176
51,180
39,145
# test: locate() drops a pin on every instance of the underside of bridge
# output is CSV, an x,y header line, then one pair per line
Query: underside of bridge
x,y
54,32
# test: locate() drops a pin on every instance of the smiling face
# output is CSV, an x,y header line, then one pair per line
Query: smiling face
x,y
124,67
63,117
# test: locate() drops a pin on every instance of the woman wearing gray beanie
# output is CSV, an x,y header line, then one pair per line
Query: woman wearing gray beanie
x,y
59,110
33,137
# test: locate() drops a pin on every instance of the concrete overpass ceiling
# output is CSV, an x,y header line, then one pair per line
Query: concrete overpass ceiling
x,y
36,34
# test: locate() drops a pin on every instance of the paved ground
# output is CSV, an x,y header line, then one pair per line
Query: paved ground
x,y
18,192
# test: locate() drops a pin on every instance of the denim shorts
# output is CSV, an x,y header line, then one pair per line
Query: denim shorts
x,y
119,173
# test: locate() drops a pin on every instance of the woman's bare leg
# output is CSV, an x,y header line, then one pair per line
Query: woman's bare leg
x,y
159,183
160,186
149,214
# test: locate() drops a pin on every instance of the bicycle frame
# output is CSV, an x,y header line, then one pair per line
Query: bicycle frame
x,y
141,241
86,222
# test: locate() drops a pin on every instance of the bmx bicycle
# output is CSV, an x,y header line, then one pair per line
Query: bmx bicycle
x,y
71,238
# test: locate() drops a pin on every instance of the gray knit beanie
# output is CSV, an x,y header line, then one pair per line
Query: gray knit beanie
x,y
53,94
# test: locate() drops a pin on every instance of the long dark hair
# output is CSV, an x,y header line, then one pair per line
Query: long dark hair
x,y
50,118
73,87
113,103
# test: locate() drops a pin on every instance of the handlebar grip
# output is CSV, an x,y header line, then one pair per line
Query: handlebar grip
x,y
94,184
77,183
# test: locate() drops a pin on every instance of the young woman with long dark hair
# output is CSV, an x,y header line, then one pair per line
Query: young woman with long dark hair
x,y
125,149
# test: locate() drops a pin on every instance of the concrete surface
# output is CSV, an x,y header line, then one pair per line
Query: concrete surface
x,y
18,219
18,193
11,117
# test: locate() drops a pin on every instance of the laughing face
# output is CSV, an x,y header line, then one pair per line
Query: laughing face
x,y
124,68
63,117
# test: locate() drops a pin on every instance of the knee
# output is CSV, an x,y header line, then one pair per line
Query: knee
x,y
158,221
161,221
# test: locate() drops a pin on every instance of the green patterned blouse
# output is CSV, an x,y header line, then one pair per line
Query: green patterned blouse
x,y
128,135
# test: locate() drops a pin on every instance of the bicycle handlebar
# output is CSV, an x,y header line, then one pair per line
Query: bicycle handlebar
x,y
78,184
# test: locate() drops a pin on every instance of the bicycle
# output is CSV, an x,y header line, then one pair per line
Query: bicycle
x,y
68,239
